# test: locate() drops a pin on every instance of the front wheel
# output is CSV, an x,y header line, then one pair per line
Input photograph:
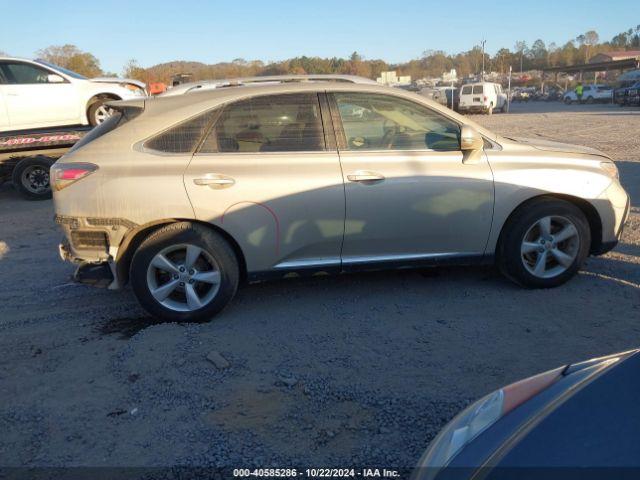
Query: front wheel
x,y
98,112
544,243
184,272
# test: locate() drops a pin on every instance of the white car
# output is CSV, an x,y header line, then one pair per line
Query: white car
x,y
482,97
590,94
37,94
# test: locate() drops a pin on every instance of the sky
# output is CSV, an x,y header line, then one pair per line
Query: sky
x,y
215,31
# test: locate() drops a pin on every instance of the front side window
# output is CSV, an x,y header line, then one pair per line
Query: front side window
x,y
270,123
17,73
383,122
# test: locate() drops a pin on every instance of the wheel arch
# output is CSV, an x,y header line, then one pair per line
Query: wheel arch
x,y
136,236
589,211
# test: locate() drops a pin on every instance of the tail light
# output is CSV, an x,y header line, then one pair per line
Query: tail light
x,y
476,418
485,98
64,174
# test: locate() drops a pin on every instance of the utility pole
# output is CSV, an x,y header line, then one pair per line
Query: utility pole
x,y
483,42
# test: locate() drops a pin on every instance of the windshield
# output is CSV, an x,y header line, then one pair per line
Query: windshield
x,y
69,73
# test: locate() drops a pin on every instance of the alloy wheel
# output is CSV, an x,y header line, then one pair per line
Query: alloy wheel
x,y
102,113
183,278
550,246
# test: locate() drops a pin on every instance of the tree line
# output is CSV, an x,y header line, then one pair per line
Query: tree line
x,y
432,63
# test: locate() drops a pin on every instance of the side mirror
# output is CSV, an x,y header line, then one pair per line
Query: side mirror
x,y
470,139
53,78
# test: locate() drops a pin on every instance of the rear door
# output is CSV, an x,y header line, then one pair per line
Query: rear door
x,y
32,101
267,174
409,196
465,96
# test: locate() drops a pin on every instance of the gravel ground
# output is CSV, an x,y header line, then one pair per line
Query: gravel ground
x,y
356,370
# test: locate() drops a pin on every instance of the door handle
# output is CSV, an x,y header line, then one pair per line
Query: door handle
x,y
365,176
214,180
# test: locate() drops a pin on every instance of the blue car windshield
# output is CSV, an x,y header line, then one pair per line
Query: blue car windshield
x,y
69,73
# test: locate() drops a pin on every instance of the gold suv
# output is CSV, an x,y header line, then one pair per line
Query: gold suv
x,y
189,195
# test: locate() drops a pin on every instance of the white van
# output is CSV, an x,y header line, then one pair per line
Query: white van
x,y
482,97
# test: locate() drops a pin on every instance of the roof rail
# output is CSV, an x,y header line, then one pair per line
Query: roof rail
x,y
267,79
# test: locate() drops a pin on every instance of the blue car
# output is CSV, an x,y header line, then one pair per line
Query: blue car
x,y
579,421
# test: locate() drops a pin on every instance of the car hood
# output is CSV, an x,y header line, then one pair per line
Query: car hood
x,y
559,147
118,80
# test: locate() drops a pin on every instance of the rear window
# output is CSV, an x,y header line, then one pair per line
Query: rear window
x,y
117,119
478,89
466,90
184,137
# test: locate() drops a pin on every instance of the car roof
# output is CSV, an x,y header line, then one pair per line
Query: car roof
x,y
17,59
264,79
181,107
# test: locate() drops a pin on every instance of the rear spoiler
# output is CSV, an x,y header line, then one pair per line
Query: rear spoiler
x,y
129,108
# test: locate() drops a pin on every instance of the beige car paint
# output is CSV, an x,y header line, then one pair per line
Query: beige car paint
x,y
286,210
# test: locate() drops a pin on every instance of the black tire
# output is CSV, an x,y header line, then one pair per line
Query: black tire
x,y
589,100
31,177
509,257
567,101
185,233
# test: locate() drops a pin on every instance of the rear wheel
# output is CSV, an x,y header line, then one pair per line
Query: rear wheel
x,y
31,177
544,243
184,272
567,101
589,100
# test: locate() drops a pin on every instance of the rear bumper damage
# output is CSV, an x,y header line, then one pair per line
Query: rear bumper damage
x,y
93,244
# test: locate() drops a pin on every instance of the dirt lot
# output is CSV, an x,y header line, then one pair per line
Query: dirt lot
x,y
356,370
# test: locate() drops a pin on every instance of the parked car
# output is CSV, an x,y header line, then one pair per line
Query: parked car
x,y
187,196
627,96
590,94
577,421
483,97
37,94
442,95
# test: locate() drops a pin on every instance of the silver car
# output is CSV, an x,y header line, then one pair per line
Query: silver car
x,y
188,196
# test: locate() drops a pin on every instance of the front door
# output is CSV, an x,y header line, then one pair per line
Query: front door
x,y
32,101
408,193
265,175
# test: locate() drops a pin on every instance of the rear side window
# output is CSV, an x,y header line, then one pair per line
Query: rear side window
x,y
184,137
271,123
477,89
466,90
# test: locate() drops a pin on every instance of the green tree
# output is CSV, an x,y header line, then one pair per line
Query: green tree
x,y
521,48
71,57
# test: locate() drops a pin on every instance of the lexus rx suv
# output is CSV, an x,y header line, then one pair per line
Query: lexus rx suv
x,y
187,196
